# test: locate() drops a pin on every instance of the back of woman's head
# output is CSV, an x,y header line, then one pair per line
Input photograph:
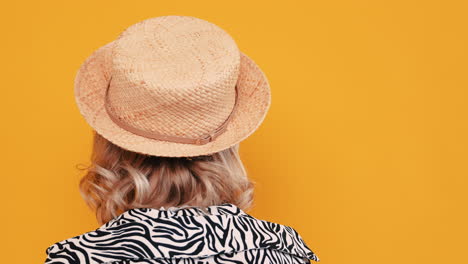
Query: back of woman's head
x,y
118,180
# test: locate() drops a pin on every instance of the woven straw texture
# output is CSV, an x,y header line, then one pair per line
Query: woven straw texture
x,y
172,76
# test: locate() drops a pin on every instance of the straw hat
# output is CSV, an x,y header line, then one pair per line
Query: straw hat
x,y
172,86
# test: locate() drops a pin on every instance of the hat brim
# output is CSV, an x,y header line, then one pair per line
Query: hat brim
x,y
90,84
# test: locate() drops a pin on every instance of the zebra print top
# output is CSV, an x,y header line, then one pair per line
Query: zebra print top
x,y
184,235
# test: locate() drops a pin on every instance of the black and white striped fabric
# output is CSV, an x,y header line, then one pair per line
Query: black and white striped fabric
x,y
185,235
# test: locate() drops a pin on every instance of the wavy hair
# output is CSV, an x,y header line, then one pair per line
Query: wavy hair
x,y
118,180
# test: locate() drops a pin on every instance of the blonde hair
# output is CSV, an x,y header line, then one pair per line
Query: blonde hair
x,y
118,180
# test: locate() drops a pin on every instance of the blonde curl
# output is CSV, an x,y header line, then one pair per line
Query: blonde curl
x,y
118,180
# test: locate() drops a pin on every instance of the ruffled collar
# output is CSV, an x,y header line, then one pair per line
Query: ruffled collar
x,y
183,232
141,214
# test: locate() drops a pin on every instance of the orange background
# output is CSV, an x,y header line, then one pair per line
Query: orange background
x,y
364,150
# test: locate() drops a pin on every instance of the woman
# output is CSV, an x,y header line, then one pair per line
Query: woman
x,y
170,100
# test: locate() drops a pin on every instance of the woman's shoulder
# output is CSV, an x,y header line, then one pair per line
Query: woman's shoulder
x,y
222,232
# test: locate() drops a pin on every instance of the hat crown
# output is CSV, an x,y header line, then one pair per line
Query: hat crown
x,y
173,75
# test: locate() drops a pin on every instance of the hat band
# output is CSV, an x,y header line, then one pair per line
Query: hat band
x,y
177,139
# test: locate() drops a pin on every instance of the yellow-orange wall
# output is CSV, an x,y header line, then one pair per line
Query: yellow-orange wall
x,y
364,151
